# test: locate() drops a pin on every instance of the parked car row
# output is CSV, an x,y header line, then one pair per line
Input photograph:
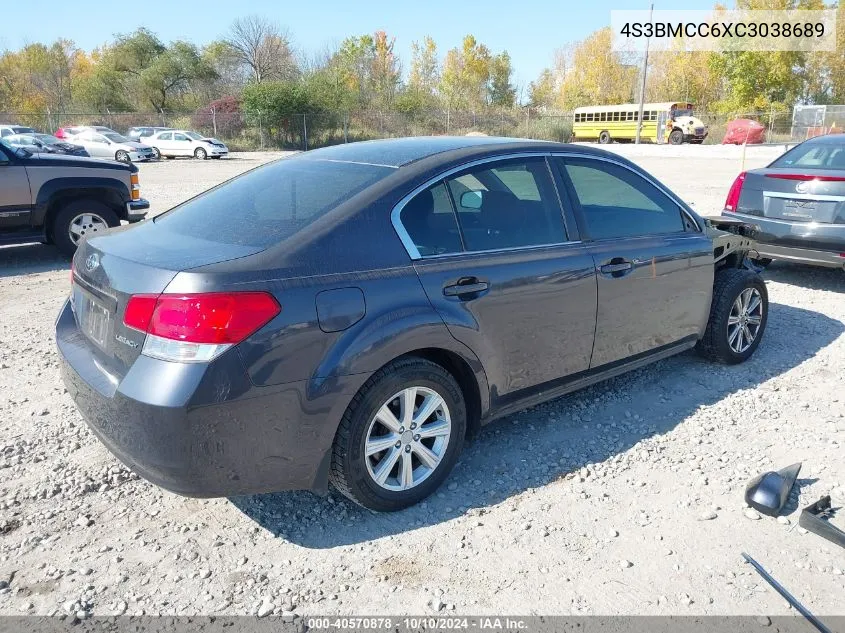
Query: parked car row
x,y
140,144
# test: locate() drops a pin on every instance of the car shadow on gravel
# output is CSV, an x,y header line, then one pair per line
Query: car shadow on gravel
x,y
555,440
813,277
26,259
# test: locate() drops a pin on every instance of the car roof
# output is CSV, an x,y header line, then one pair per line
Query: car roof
x,y
397,152
825,139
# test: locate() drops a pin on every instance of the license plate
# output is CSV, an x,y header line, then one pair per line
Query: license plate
x,y
800,210
805,206
93,317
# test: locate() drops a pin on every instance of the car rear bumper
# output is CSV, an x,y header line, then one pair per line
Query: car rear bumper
x,y
138,157
812,243
203,430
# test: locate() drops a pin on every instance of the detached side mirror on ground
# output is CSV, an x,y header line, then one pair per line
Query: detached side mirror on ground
x,y
768,493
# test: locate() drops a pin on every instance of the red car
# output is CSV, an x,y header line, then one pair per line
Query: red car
x,y
67,132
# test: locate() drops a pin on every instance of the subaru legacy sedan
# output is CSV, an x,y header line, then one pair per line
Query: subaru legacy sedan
x,y
798,202
352,314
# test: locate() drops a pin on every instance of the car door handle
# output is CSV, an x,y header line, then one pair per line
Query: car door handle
x,y
616,268
466,286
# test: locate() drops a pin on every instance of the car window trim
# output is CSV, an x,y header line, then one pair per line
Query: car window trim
x,y
408,243
682,207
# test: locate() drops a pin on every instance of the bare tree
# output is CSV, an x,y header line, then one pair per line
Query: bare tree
x,y
263,47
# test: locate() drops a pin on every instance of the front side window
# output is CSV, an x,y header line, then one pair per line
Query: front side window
x,y
617,202
507,204
180,137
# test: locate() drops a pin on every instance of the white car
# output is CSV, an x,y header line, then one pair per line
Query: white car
x,y
173,143
112,145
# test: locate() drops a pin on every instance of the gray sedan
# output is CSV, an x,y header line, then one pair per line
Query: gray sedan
x,y
798,202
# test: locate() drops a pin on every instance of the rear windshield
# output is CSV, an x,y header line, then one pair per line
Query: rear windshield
x,y
813,156
271,203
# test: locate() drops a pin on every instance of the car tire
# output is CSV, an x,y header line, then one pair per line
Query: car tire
x,y
676,137
200,153
604,137
735,294
74,214
122,156
355,473
156,153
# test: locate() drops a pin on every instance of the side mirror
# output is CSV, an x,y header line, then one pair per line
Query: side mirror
x,y
471,199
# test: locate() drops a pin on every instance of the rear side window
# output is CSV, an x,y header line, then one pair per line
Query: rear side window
x,y
813,156
271,203
616,202
430,222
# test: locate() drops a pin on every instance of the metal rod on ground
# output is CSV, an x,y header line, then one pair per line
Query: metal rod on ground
x,y
642,87
788,596
744,145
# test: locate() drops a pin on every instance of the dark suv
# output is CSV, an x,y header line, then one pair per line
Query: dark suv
x,y
352,313
60,199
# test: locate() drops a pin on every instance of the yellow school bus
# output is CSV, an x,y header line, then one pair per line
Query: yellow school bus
x,y
671,122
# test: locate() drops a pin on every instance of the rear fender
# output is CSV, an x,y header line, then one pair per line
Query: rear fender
x,y
382,338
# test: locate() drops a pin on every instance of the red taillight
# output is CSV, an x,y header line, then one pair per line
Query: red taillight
x,y
807,177
733,195
139,311
218,318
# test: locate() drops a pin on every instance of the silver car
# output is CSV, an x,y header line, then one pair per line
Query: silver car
x,y
798,202
112,145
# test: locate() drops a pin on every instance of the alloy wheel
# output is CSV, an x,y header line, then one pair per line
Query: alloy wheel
x,y
85,225
407,438
745,319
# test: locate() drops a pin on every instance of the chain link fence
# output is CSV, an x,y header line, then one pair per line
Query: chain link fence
x,y
311,130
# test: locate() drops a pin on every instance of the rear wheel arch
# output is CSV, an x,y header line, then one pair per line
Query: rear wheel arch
x,y
467,380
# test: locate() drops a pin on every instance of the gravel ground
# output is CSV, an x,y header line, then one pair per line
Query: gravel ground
x,y
625,498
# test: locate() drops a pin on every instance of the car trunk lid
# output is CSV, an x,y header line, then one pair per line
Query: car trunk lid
x,y
110,269
796,195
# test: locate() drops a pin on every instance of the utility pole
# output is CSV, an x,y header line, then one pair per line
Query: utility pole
x,y
642,87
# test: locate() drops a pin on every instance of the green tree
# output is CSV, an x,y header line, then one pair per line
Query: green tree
x,y
501,90
424,74
156,74
466,72
386,73
542,92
